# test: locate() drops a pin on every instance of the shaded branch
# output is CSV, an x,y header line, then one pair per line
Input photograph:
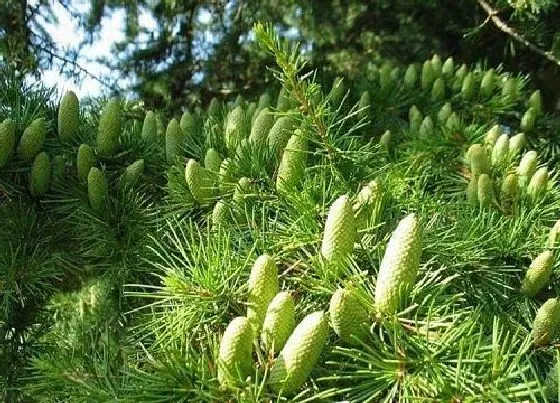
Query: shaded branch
x,y
502,26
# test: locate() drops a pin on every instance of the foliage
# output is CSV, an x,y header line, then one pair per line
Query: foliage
x,y
127,299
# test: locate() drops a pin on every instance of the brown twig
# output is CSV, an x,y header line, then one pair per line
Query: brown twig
x,y
502,26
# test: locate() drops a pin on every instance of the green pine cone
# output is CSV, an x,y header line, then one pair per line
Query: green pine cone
x,y
448,68
453,122
40,177
364,206
338,92
7,140
68,116
86,159
478,160
235,360
500,151
535,102
340,232
438,90
485,190
109,128
410,76
385,141
445,112
300,354
437,65
98,189
508,190
426,128
553,235
468,89
527,167
528,120
516,144
32,140
547,322
173,141
244,192
261,127
264,101
291,171
215,108
149,128
538,274
212,160
364,105
221,214
279,322
459,77
385,80
283,102
235,129
263,286
133,172
399,267
279,135
428,75
538,184
198,181
414,119
472,190
492,136
488,84
348,317
510,90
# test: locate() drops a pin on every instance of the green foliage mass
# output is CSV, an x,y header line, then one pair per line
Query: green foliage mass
x,y
178,270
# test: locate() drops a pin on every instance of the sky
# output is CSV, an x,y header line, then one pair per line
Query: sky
x,y
68,35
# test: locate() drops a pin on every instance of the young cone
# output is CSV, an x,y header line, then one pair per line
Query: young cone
x,y
472,190
109,128
516,144
173,140
348,317
535,102
528,120
538,184
133,172
500,152
448,68
40,177
68,116
279,135
510,90
399,266
364,105
86,159
553,235
488,84
492,136
538,274
468,89
235,359
508,190
485,190
98,189
149,128
527,167
547,322
340,232
212,160
445,112
300,354
235,129
364,205
291,170
7,140
198,181
263,286
410,76
261,127
279,322
32,140
221,214
438,90
428,75
478,160
385,141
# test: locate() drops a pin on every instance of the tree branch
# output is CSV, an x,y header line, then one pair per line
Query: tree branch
x,y
502,26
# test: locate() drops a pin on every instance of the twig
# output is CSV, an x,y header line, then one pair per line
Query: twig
x,y
77,66
502,26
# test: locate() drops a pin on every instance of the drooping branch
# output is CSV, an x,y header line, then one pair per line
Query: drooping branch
x,y
505,28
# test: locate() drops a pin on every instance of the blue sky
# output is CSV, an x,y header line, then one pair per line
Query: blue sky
x,y
68,35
